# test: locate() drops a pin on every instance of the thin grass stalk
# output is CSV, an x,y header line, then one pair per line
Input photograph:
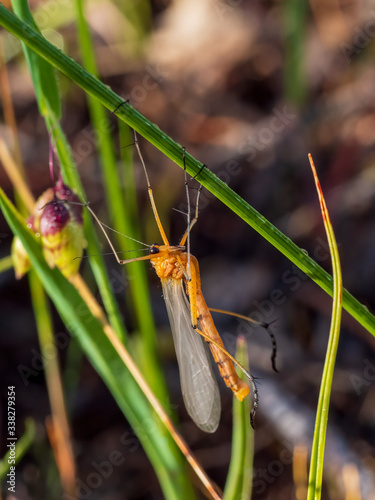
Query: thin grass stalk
x,y
60,426
321,422
174,151
239,481
11,168
138,17
10,121
44,83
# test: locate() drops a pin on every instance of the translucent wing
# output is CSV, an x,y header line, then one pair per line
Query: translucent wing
x,y
198,383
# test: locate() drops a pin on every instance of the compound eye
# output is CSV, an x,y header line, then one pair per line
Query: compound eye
x,y
154,248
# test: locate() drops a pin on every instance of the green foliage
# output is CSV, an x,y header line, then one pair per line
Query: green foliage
x,y
174,151
88,331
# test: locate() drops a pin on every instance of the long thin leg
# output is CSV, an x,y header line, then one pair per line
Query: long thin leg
x,y
102,225
209,340
193,222
105,233
259,323
190,224
150,194
188,214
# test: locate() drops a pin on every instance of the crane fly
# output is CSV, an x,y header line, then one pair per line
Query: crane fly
x,y
192,324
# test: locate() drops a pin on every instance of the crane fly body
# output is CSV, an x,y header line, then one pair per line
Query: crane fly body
x,y
198,384
192,324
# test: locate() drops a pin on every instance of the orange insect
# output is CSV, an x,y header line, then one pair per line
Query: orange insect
x,y
192,324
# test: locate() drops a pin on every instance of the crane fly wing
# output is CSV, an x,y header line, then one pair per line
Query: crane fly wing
x,y
198,384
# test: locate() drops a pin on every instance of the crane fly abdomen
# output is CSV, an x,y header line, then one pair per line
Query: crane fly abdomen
x,y
225,365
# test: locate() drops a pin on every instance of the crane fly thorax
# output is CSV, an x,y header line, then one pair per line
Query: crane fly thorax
x,y
167,267
166,261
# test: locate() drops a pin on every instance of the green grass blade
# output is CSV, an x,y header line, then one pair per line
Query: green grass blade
x,y
120,219
238,485
156,441
174,151
42,73
318,448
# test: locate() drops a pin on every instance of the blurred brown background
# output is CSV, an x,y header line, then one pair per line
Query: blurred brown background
x,y
250,88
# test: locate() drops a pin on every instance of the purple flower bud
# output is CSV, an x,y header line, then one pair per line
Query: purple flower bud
x,y
54,218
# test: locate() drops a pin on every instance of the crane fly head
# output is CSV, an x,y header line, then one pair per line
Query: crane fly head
x,y
166,249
